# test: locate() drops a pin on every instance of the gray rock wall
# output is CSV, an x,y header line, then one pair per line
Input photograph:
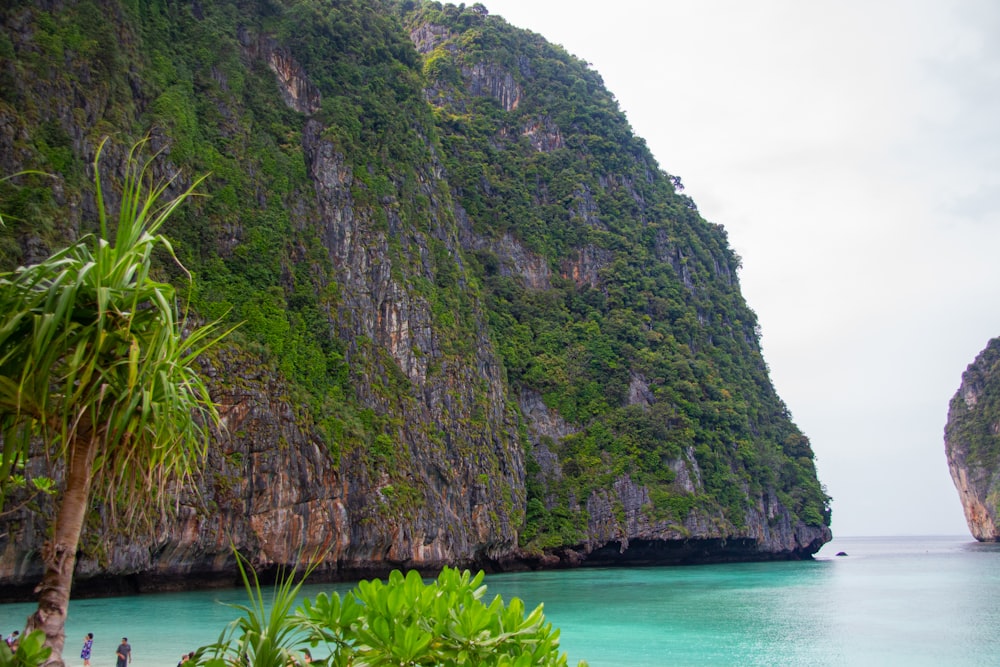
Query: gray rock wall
x,y
972,443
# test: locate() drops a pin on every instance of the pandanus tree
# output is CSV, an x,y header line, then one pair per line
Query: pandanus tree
x,y
98,378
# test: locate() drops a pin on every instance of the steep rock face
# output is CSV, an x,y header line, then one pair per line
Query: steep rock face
x,y
489,79
972,443
543,134
296,90
430,471
607,507
620,522
375,305
272,490
481,327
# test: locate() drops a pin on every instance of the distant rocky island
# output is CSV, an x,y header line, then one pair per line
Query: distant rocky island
x,y
481,326
972,443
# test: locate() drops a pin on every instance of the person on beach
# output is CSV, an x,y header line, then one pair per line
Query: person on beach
x,y
88,644
124,653
12,640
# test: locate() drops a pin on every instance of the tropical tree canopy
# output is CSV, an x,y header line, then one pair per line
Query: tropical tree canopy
x,y
98,379
91,348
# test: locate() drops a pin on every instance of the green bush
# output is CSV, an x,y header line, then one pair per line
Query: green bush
x,y
31,651
402,621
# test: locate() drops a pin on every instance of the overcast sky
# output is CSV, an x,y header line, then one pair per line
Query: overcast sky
x,y
851,151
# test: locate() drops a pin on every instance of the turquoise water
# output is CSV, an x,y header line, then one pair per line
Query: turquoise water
x,y
891,601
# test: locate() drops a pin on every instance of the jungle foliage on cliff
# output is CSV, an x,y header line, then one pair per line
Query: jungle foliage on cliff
x,y
974,411
604,291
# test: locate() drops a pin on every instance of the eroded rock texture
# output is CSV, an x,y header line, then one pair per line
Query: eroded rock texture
x,y
402,200
972,443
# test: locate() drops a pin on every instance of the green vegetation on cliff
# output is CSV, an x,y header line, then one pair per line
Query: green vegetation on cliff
x,y
661,311
494,184
974,411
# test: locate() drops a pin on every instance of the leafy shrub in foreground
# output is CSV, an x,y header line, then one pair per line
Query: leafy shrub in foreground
x,y
31,651
402,621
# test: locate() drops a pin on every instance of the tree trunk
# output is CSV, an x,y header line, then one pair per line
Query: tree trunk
x,y
59,555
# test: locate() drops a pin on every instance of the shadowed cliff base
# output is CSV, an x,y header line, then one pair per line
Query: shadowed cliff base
x,y
637,553
669,553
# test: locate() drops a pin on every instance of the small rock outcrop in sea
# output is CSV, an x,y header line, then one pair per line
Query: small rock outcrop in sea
x,y
972,443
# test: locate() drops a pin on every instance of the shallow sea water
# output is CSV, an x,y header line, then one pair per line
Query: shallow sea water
x,y
890,601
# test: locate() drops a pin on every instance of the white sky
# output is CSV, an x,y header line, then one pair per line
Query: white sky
x,y
852,151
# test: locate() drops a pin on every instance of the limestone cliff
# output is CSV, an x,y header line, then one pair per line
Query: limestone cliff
x,y
972,443
481,326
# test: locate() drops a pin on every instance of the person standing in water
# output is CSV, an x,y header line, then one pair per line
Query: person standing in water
x,y
88,644
124,653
